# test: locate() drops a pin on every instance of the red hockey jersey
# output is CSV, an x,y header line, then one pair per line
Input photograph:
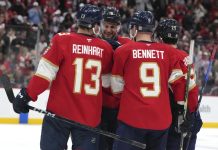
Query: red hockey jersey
x,y
142,72
193,88
75,66
109,100
123,40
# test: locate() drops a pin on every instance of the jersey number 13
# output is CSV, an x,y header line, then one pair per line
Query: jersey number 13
x,y
80,70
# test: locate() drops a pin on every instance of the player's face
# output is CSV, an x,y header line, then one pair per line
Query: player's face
x,y
109,29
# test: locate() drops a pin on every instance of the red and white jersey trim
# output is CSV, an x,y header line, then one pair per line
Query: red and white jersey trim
x,y
117,84
46,69
106,82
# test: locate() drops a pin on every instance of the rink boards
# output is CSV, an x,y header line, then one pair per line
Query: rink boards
x,y
208,110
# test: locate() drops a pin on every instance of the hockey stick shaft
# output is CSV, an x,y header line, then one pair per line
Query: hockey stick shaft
x,y
202,91
206,77
9,92
191,52
189,134
95,130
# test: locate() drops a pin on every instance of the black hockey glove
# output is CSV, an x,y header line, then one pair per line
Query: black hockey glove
x,y
20,103
182,124
113,43
197,123
177,117
188,123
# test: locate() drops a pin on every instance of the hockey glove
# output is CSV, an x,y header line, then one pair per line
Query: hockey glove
x,y
20,103
113,43
197,123
188,122
178,117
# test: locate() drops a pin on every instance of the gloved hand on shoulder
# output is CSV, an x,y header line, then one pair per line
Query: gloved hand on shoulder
x,y
20,103
115,44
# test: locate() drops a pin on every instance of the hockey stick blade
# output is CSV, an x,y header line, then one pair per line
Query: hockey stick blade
x,y
7,86
8,89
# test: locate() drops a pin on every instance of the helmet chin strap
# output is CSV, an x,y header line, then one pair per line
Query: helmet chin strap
x,y
97,33
159,39
118,28
156,38
132,36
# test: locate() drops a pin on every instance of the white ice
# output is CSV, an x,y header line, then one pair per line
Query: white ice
x,y
27,137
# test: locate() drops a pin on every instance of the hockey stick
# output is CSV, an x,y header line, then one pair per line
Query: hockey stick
x,y
206,76
191,51
202,90
9,92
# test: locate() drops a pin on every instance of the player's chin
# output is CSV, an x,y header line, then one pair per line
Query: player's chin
x,y
108,36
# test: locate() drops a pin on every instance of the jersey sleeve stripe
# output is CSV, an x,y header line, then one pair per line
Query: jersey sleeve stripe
x,y
44,77
117,84
106,80
192,84
180,102
175,75
52,64
47,70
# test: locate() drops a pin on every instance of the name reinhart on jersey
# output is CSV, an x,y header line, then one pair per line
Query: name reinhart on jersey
x,y
87,49
145,53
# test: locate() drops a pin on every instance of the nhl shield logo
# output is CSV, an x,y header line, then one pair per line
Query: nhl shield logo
x,y
89,40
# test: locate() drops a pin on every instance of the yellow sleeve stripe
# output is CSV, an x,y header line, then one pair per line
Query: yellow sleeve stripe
x,y
46,60
191,87
41,76
175,75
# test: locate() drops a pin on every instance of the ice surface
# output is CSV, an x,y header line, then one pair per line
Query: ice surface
x,y
27,137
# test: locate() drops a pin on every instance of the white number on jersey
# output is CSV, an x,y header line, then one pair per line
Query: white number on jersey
x,y
153,79
95,77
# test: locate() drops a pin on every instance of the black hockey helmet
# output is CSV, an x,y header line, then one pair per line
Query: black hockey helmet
x,y
111,14
88,16
143,20
168,30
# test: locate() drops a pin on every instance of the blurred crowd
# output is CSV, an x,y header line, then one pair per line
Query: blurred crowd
x,y
26,27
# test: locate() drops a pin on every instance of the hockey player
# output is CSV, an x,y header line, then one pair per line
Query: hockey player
x,y
142,71
168,31
110,27
74,66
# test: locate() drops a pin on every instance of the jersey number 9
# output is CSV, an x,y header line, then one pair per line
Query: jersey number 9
x,y
153,79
